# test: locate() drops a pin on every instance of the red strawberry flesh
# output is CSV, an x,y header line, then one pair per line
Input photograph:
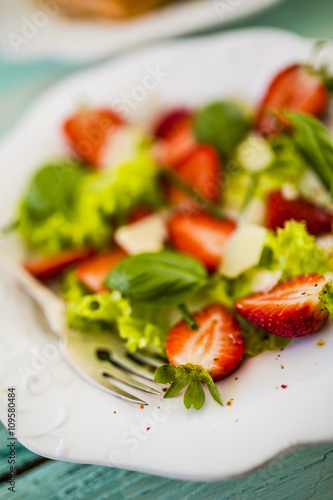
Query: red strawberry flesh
x,y
279,210
297,87
169,121
201,235
291,309
217,346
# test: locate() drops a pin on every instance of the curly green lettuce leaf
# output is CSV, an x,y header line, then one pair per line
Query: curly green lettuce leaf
x,y
294,251
71,288
100,202
141,326
287,168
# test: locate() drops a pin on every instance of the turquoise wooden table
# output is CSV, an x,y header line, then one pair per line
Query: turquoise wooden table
x,y
300,474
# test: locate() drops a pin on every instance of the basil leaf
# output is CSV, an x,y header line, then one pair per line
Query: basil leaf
x,y
315,143
52,188
163,278
223,124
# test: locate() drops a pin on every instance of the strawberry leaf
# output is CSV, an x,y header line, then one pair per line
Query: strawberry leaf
x,y
214,392
177,385
194,394
191,376
165,374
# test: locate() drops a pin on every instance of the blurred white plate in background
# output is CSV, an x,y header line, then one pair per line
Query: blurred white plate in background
x,y
28,31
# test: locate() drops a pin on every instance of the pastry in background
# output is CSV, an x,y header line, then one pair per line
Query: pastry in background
x,y
109,8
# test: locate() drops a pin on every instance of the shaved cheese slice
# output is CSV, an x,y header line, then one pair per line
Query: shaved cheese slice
x,y
145,235
243,250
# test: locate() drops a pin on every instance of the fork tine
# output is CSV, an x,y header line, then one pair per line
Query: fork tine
x,y
141,366
102,382
120,375
148,358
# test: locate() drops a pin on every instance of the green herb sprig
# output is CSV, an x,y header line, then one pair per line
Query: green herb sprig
x,y
315,143
164,279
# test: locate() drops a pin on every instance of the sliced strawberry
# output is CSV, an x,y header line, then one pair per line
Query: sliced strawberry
x,y
279,210
297,87
169,122
92,273
201,235
86,132
139,213
217,346
201,169
44,268
291,309
177,145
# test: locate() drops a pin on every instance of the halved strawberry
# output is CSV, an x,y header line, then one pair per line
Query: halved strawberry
x,y
92,272
170,120
44,268
201,169
294,308
201,235
217,346
139,213
176,145
279,210
86,132
297,87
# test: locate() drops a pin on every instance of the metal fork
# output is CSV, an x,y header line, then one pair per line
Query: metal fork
x,y
101,358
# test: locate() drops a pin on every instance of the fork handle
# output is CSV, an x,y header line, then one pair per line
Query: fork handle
x,y
51,305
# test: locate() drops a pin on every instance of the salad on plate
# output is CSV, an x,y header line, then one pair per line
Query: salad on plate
x,y
205,240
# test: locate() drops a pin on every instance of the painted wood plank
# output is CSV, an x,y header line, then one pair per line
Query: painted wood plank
x,y
24,458
302,474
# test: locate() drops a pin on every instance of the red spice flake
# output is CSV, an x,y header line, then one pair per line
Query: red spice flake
x,y
284,386
282,367
142,407
236,378
148,429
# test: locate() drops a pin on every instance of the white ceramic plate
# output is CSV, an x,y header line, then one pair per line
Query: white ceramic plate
x,y
28,31
60,415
